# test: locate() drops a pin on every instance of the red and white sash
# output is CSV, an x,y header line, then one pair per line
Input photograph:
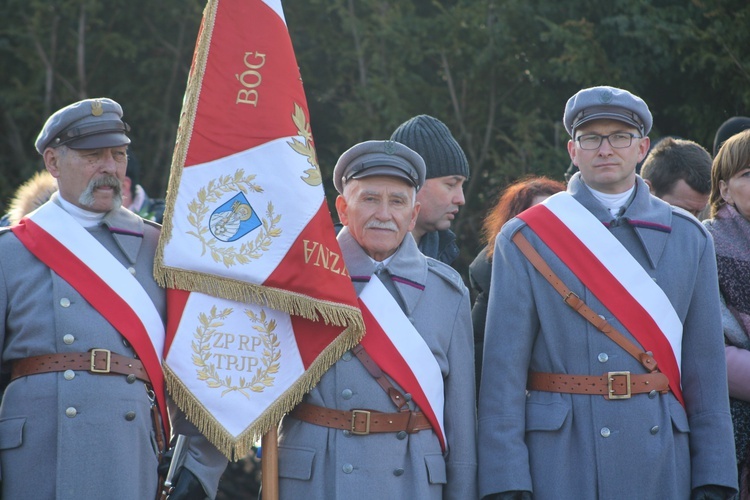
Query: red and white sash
x,y
59,241
606,268
401,352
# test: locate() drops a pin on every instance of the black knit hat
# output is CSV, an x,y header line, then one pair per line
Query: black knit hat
x,y
733,126
433,141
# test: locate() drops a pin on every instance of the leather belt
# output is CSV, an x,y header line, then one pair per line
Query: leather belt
x,y
100,361
611,385
361,422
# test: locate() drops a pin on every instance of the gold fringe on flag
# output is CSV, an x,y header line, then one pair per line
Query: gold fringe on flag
x,y
237,447
287,301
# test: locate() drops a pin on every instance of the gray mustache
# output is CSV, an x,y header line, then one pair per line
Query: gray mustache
x,y
375,224
106,181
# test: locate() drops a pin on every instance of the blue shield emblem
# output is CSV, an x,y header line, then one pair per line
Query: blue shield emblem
x,y
234,219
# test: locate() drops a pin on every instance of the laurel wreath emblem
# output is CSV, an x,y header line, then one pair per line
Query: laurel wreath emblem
x,y
210,195
307,148
262,378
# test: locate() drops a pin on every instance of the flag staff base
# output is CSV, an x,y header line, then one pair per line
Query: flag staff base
x,y
269,463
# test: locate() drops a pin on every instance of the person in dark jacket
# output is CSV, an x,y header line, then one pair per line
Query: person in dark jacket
x,y
515,198
442,195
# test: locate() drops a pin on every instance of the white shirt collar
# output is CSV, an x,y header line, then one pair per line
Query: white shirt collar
x,y
613,202
84,217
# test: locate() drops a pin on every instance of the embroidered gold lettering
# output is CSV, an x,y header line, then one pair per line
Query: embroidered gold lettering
x,y
324,257
250,79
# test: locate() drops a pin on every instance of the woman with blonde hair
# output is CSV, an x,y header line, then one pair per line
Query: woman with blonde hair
x,y
730,228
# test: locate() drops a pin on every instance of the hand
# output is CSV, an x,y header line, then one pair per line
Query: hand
x,y
187,487
711,492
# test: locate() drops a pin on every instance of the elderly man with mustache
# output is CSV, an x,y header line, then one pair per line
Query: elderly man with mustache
x,y
85,412
395,416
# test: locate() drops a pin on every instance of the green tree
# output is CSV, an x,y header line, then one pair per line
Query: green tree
x,y
57,52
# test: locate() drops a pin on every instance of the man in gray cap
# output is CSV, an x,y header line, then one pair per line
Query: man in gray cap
x,y
604,332
396,418
85,412
442,194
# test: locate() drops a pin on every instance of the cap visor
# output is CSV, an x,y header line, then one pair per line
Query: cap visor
x,y
384,170
607,116
110,140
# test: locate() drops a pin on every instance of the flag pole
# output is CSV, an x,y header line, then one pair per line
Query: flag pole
x,y
269,465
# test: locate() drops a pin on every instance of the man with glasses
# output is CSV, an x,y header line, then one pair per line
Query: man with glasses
x,y
604,332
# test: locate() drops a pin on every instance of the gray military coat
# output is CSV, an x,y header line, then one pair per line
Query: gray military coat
x,y
586,447
85,436
321,463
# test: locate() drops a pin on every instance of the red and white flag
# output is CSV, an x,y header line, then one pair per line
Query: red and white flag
x,y
260,301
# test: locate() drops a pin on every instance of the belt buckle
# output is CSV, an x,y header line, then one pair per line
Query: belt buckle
x,y
367,422
108,358
610,390
568,296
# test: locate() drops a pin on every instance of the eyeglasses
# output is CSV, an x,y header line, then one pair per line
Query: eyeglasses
x,y
618,140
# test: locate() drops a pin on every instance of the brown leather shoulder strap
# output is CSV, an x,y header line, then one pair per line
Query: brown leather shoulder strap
x,y
373,369
572,300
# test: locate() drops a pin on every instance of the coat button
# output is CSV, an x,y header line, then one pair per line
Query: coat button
x,y
603,357
654,429
125,342
68,339
347,394
71,412
131,270
652,394
407,396
398,472
347,433
401,435
65,302
69,375
605,432
130,416
131,378
347,468
347,356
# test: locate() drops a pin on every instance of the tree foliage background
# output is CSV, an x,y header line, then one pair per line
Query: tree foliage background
x,y
497,72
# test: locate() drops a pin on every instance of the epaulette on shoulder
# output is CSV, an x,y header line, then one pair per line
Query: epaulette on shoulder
x,y
152,223
446,272
685,215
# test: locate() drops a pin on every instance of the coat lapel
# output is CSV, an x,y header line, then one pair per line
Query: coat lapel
x,y
127,230
406,270
650,217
